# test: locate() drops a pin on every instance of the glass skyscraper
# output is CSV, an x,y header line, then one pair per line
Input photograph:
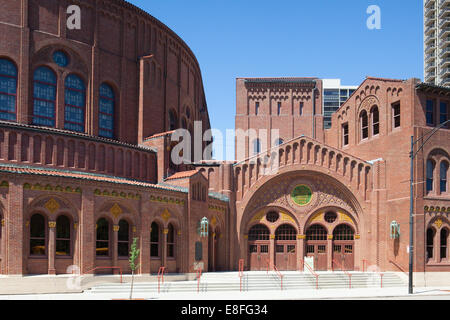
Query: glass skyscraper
x,y
334,95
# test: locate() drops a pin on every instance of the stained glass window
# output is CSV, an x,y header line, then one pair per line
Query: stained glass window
x,y
44,97
60,58
106,112
75,101
8,90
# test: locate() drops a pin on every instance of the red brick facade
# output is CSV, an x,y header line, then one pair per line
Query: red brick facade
x,y
78,198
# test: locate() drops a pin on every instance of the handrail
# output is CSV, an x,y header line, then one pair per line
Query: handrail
x,y
381,274
161,272
399,267
96,268
345,271
199,275
241,272
303,262
278,273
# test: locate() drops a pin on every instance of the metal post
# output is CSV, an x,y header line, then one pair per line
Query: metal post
x,y
411,220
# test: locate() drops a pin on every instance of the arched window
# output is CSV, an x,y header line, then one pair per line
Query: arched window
x,y
37,235
256,146
63,236
430,175
154,240
256,108
430,243
123,239
106,112
75,103
343,232
375,115
8,90
444,240
44,97
171,241
286,232
102,246
258,232
364,125
279,142
173,120
316,232
443,176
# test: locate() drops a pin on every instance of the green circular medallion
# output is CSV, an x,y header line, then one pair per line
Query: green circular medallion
x,y
301,195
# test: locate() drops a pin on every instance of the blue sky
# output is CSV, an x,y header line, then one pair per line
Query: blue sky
x,y
292,38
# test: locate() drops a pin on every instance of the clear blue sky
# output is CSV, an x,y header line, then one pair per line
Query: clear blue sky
x,y
292,38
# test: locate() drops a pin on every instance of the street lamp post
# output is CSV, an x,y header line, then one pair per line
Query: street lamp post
x,y
412,155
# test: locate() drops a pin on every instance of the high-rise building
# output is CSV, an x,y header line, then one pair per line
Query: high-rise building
x,y
437,42
334,95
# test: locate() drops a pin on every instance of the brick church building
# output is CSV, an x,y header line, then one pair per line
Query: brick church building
x,y
86,119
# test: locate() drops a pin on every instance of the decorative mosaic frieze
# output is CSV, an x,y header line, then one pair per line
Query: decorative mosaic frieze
x,y
116,194
49,187
167,200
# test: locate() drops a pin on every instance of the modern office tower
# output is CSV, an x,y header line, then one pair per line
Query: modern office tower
x,y
334,95
437,42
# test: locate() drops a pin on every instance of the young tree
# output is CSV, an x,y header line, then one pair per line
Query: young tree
x,y
134,254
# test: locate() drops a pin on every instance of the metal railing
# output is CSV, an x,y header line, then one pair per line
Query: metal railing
x,y
334,261
303,263
241,272
97,268
277,272
161,272
365,261
199,276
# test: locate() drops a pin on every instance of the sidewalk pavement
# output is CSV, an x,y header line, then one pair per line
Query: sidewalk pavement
x,y
387,293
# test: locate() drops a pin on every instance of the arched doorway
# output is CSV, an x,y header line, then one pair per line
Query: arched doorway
x,y
343,247
258,247
316,246
213,249
286,247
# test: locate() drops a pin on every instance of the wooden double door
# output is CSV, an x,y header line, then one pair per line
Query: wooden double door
x,y
258,255
286,255
343,255
318,251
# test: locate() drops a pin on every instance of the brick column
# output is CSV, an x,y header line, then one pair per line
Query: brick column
x,y
14,235
114,245
271,252
2,246
300,251
87,231
51,247
330,252
164,248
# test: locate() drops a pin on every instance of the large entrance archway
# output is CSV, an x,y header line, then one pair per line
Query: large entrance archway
x,y
316,246
286,247
343,247
258,247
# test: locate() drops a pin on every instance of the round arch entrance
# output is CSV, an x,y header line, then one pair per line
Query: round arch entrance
x,y
258,247
343,247
286,247
316,247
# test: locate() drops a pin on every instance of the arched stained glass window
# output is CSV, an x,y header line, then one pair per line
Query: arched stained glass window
x,y
443,176
106,111
430,175
75,100
44,97
8,90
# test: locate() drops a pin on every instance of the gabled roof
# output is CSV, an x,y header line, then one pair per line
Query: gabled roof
x,y
182,175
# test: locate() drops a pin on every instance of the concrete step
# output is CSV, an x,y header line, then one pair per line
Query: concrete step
x,y
259,281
